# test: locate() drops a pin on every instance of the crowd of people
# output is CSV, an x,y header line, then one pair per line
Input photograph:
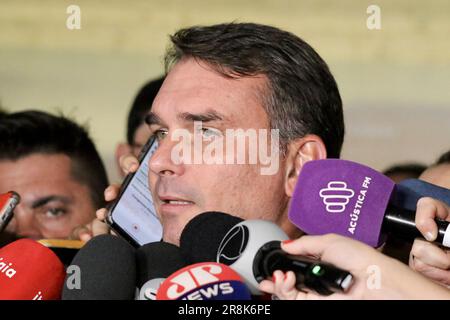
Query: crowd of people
x,y
228,76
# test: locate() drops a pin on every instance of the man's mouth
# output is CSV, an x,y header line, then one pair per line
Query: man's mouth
x,y
174,201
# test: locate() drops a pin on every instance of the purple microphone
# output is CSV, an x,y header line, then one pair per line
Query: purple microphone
x,y
353,200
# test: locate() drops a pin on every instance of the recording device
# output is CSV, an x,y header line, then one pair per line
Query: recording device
x,y
133,215
30,271
104,269
353,200
8,202
251,248
204,281
155,262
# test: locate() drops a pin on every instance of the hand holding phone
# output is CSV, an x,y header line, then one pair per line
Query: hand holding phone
x,y
133,215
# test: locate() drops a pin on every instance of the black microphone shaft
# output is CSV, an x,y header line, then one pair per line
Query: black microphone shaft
x,y
401,223
312,274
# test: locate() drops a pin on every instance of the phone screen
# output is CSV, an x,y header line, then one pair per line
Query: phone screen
x,y
134,213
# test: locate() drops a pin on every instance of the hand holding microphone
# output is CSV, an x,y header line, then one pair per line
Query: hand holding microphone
x,y
425,257
376,276
251,248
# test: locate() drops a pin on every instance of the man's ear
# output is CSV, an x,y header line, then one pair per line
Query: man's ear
x,y
121,149
300,151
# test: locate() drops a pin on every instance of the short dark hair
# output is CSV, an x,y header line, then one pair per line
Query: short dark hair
x,y
301,97
28,132
444,158
410,169
141,106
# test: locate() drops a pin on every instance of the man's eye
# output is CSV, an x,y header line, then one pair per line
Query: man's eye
x,y
160,134
210,133
55,213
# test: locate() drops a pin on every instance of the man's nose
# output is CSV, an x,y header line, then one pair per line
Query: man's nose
x,y
162,162
23,224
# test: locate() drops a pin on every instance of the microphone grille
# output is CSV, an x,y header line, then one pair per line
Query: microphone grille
x,y
157,260
107,267
202,236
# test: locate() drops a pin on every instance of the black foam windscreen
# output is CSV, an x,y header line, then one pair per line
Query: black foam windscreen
x,y
106,267
157,260
202,235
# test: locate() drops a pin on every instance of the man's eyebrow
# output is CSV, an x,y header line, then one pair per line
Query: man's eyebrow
x,y
208,116
44,200
153,118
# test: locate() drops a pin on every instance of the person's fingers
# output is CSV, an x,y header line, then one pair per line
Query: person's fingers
x,y
289,280
111,192
101,214
85,237
283,286
278,279
82,233
431,254
438,275
267,286
427,210
129,163
411,260
313,246
287,286
99,227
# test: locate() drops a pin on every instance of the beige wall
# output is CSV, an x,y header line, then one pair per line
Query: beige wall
x,y
395,82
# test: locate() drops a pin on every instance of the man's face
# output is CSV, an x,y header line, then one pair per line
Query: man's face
x,y
52,201
191,92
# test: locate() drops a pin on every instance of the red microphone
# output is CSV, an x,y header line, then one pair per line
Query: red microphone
x,y
30,271
204,281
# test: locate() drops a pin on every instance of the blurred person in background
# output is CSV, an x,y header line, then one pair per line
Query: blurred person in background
x,y
404,171
439,172
137,131
54,166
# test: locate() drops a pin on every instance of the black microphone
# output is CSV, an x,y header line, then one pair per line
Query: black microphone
x,y
155,262
405,196
252,248
104,269
202,236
